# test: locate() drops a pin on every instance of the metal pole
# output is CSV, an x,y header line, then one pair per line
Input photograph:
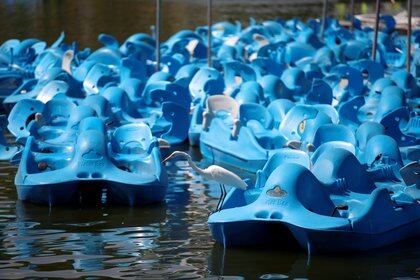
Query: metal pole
x,y
352,14
209,35
409,12
157,31
324,15
375,39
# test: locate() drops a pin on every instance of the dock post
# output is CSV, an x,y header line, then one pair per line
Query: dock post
x,y
324,17
157,32
352,14
409,13
375,38
209,35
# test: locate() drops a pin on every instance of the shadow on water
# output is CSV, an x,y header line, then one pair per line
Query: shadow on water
x,y
398,260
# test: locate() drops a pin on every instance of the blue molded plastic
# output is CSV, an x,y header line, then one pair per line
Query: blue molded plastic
x,y
129,168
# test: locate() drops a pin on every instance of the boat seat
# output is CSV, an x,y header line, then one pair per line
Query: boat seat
x,y
340,169
97,77
131,145
301,123
392,98
278,110
220,106
329,110
57,111
134,138
171,93
49,162
385,147
92,123
280,157
259,120
53,89
366,131
237,73
255,116
333,132
78,114
100,104
300,183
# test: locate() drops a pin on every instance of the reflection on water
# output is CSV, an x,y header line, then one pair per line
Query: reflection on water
x,y
169,240
83,20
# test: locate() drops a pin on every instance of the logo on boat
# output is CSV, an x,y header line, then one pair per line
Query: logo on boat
x,y
277,191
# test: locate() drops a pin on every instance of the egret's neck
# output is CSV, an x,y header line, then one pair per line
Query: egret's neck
x,y
194,166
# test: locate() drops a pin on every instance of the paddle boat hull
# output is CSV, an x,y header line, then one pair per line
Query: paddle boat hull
x,y
277,233
337,205
126,167
91,190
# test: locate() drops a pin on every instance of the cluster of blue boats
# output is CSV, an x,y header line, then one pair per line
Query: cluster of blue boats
x,y
330,129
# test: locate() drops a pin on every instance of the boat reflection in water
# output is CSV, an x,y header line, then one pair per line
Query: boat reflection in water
x,y
399,260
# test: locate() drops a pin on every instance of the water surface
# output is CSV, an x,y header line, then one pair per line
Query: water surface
x,y
170,240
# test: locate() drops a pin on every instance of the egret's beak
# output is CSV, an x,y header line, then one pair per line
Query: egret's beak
x,y
175,154
169,157
166,159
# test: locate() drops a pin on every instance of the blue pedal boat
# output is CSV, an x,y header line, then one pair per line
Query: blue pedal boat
x,y
163,108
205,82
337,205
246,135
127,165
228,139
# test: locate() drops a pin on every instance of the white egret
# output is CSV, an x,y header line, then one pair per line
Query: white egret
x,y
214,173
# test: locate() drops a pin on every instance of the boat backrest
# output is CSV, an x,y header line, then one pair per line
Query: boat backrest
x,y
217,103
172,93
131,138
278,110
297,182
57,110
256,112
222,106
342,170
92,123
366,131
100,104
392,98
382,146
410,173
79,113
333,132
280,157
301,123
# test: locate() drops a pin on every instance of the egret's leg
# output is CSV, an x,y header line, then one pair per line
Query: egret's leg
x,y
224,193
220,198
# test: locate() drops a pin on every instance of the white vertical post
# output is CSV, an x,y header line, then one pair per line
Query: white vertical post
x,y
375,38
409,13
157,31
209,34
324,17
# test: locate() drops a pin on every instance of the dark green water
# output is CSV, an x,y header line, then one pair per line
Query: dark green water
x,y
83,20
168,241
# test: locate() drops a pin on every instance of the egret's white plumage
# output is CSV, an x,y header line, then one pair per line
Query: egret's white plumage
x,y
214,173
